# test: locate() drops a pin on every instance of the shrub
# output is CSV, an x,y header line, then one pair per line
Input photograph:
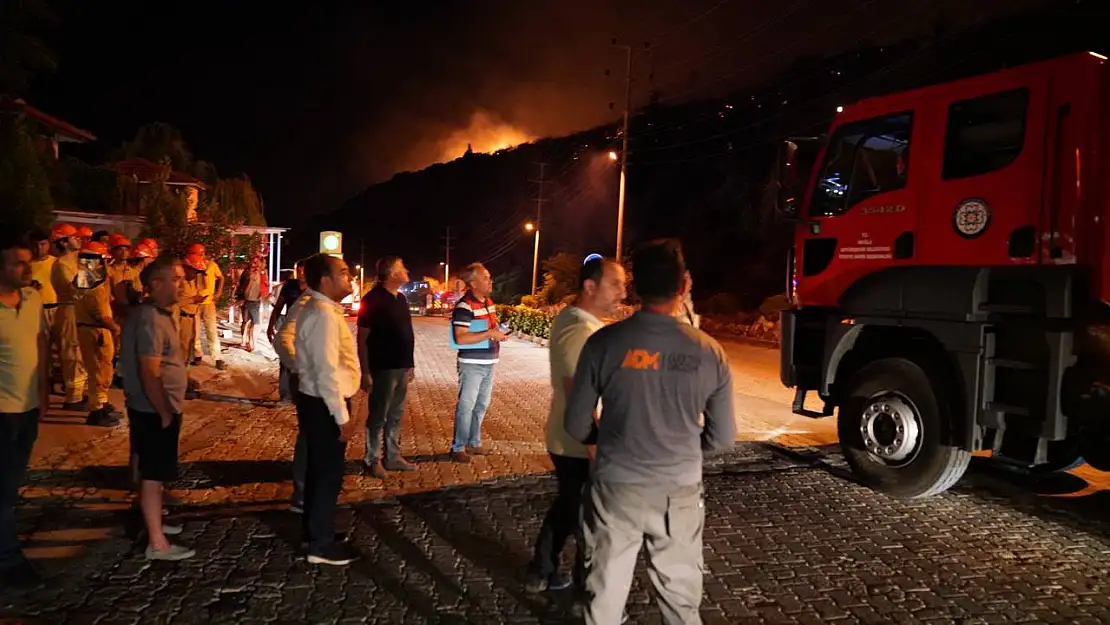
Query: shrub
x,y
530,321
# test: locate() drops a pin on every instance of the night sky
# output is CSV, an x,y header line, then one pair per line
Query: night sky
x,y
316,101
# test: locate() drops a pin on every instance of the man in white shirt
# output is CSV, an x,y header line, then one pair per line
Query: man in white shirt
x,y
285,348
601,288
328,376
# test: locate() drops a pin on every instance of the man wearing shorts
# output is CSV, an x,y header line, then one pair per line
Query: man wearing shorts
x,y
155,381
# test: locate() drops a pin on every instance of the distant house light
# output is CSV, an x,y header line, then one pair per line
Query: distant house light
x,y
840,109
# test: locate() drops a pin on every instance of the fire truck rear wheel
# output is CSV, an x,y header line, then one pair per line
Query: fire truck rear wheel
x,y
890,425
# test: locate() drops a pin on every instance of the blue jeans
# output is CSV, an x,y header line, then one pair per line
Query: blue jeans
x,y
475,389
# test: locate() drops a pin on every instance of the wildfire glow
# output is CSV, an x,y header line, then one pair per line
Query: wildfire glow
x,y
486,134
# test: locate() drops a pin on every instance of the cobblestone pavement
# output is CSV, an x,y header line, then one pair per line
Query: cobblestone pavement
x,y
788,538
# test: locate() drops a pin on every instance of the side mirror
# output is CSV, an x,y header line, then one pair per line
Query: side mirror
x,y
785,179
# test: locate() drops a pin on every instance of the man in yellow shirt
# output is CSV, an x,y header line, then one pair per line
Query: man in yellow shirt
x,y
210,285
64,330
601,288
95,330
23,392
42,267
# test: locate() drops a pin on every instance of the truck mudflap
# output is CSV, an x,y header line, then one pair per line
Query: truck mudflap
x,y
787,372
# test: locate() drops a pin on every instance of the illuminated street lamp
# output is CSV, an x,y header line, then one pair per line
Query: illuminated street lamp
x,y
445,270
360,283
613,156
530,227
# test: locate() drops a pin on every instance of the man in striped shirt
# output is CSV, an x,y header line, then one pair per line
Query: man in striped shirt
x,y
476,333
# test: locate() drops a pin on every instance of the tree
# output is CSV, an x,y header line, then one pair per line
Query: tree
x,y
22,53
24,183
236,199
159,142
560,278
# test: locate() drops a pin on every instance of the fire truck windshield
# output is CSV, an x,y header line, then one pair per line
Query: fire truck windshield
x,y
863,159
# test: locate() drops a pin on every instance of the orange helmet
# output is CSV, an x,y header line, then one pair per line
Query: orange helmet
x,y
196,261
94,248
143,251
151,243
62,231
195,248
118,240
84,232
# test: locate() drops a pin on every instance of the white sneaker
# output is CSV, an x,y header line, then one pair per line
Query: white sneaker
x,y
172,530
173,554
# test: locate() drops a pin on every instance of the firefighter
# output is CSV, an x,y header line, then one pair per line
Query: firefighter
x,y
189,308
95,329
122,276
67,241
210,283
141,256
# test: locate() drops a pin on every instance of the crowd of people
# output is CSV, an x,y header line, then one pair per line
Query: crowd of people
x,y
635,405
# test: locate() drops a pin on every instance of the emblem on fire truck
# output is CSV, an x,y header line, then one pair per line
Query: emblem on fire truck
x,y
972,218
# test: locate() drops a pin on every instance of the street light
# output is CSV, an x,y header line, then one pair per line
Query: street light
x,y
530,227
360,283
445,270
613,155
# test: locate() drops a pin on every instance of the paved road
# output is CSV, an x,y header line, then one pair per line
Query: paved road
x,y
788,538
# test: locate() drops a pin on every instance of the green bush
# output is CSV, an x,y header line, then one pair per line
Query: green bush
x,y
530,321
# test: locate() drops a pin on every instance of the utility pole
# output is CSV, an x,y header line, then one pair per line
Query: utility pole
x,y
624,148
447,260
539,216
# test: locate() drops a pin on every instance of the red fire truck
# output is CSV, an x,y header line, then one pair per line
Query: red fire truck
x,y
951,262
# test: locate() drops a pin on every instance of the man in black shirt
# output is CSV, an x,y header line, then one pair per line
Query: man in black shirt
x,y
385,350
290,292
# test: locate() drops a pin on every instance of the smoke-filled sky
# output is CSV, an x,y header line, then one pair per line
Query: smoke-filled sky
x,y
315,101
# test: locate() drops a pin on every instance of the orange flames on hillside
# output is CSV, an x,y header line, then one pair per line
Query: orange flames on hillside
x,y
486,134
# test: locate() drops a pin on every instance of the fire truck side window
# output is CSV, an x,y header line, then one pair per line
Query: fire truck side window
x,y
984,134
863,159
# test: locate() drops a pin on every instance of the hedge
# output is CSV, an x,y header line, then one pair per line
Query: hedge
x,y
530,321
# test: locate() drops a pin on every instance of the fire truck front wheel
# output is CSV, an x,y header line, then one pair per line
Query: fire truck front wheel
x,y
892,425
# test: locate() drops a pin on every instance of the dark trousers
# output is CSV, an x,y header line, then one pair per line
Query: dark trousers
x,y
18,432
324,470
387,406
562,520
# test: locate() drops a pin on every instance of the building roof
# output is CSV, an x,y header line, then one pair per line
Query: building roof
x,y
149,171
111,219
63,131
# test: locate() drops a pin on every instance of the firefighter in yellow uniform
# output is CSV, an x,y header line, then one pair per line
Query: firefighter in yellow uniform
x,y
95,329
63,275
211,284
122,276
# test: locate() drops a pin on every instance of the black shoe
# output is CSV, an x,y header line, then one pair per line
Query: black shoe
x,y
22,577
336,554
112,410
102,418
74,406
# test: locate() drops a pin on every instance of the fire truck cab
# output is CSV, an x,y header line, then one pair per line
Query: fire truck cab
x,y
950,252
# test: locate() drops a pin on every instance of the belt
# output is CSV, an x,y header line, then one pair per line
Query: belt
x,y
50,306
91,325
187,315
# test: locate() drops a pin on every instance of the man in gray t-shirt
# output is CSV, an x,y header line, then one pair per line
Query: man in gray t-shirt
x,y
154,378
655,377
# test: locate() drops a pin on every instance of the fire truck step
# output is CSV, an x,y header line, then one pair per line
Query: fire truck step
x,y
1007,409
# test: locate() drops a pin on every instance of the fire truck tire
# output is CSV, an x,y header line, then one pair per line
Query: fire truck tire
x,y
890,425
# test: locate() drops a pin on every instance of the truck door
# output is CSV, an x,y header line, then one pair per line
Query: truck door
x,y
983,200
860,204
